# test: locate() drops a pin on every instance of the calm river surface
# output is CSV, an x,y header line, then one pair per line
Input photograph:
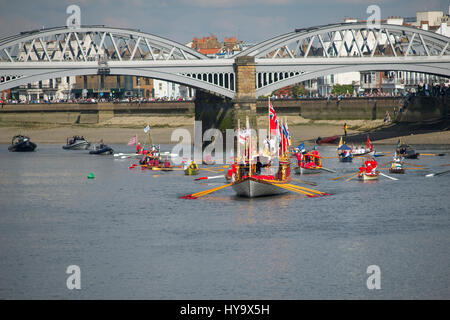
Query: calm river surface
x,y
133,238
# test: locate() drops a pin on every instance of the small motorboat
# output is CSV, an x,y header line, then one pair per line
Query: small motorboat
x,y
407,152
21,143
102,149
77,143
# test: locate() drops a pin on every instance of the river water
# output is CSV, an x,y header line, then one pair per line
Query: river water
x,y
133,238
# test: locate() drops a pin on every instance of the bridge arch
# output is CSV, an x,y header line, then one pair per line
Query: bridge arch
x,y
350,40
176,78
301,76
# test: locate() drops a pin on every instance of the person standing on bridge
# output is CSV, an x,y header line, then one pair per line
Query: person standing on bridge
x,y
345,129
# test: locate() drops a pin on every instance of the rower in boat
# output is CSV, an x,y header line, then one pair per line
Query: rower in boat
x,y
191,169
311,162
361,151
397,164
344,152
368,171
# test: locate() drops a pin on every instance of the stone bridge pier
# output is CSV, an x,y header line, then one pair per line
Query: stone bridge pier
x,y
223,113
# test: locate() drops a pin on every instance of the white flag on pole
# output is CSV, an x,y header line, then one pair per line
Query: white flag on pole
x,y
147,128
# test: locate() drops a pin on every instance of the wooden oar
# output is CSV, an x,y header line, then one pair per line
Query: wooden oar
x,y
202,193
436,174
329,170
310,190
445,165
225,167
414,165
209,178
350,174
385,175
353,176
287,187
305,182
330,157
432,154
414,168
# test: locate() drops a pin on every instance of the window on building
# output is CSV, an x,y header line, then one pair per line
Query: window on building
x,y
68,80
147,81
160,86
40,84
118,81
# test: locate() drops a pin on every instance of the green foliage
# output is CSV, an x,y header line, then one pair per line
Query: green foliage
x,y
298,90
342,89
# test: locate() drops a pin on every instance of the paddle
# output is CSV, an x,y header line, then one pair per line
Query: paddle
x,y
445,165
209,178
385,175
436,174
202,193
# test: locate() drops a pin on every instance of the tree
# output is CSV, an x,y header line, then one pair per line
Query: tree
x,y
342,89
298,90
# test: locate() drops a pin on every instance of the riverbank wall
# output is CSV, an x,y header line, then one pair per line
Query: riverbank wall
x,y
418,109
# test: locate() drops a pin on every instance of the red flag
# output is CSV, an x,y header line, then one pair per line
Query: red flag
x,y
132,141
273,122
368,142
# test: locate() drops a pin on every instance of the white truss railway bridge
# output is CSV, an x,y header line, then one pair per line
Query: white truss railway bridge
x,y
275,63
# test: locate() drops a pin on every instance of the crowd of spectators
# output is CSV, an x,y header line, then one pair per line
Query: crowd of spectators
x,y
96,100
422,90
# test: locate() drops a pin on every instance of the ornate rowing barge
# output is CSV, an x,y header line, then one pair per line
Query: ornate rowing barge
x,y
260,185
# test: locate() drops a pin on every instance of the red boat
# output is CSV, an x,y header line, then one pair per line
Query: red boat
x,y
328,140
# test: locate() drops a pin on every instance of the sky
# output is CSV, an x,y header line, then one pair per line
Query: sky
x,y
182,20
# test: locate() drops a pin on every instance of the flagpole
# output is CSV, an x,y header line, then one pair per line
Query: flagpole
x,y
249,147
149,137
238,156
287,137
268,107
